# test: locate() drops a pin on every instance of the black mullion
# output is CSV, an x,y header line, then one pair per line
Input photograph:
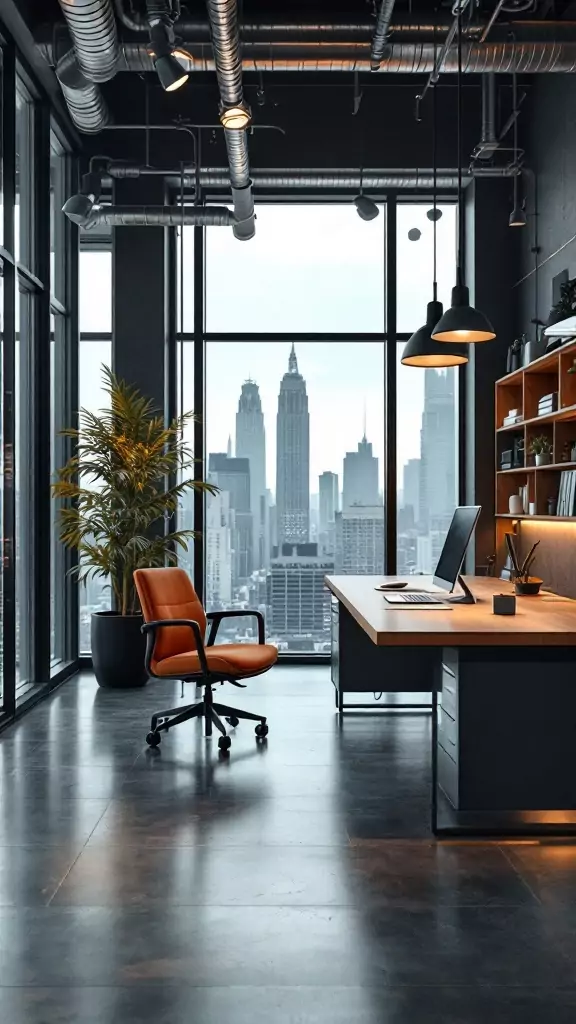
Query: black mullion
x,y
390,418
295,336
8,374
40,513
199,407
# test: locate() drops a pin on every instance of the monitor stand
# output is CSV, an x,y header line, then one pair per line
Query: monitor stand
x,y
466,598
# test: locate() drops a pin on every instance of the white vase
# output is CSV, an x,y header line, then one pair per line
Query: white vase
x,y
515,505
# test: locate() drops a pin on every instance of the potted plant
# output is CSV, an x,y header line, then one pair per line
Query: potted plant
x,y
541,448
119,495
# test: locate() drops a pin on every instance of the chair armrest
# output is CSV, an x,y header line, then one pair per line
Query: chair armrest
x,y
216,618
151,627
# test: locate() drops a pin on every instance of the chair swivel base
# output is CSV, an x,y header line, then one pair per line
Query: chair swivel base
x,y
210,711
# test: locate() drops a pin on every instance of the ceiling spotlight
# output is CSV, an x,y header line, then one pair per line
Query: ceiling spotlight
x,y
434,214
170,72
235,117
79,207
414,234
367,208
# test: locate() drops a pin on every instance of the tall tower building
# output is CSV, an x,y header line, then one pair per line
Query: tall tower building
x,y
438,463
233,477
251,445
328,507
360,477
411,487
293,458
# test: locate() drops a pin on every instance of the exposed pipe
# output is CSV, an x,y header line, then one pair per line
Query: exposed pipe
x,y
92,26
370,180
86,104
160,216
223,16
492,20
381,33
488,141
400,58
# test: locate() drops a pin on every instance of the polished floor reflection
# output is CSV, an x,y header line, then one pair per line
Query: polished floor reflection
x,y
295,882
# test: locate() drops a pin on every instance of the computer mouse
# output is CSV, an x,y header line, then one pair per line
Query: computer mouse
x,y
397,585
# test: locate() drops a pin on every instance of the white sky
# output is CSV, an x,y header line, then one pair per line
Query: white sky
x,y
309,268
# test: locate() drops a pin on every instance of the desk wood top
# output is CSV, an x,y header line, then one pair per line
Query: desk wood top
x,y
545,620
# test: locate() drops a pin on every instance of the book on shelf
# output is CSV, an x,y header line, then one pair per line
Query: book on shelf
x,y
509,420
551,397
566,504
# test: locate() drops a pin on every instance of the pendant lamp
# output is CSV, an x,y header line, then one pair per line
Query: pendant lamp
x,y
421,349
462,323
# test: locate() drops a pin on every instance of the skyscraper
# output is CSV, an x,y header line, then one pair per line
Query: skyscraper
x,y
251,445
298,600
293,458
438,462
411,488
360,477
218,547
360,540
328,497
233,477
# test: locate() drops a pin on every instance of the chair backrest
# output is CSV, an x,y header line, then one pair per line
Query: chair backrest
x,y
169,594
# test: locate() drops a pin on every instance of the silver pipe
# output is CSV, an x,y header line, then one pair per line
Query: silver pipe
x,y
92,26
86,104
223,17
160,216
377,180
400,58
381,32
488,141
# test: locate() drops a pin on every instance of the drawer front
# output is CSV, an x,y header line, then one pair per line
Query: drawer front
x,y
449,698
450,661
448,776
448,733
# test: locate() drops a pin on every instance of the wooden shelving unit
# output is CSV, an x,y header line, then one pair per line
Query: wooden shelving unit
x,y
522,390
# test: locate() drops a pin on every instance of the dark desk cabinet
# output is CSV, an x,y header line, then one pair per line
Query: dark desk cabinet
x,y
506,729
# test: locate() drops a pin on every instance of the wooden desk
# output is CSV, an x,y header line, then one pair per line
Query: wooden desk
x,y
503,698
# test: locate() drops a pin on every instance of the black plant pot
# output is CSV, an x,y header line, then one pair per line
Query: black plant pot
x,y
118,650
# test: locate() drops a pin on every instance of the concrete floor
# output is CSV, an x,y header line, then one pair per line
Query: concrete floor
x,y
295,882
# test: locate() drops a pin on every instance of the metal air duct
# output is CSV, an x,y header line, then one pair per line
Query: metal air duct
x,y
488,142
223,17
399,58
372,180
86,104
160,216
381,33
92,26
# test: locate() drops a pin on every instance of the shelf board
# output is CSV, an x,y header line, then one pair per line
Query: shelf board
x,y
524,515
537,469
511,426
567,413
539,365
516,469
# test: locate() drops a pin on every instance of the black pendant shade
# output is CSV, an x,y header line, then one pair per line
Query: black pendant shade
x,y
422,350
462,323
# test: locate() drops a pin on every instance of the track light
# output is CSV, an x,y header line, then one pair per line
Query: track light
x,y
367,209
170,72
79,207
237,118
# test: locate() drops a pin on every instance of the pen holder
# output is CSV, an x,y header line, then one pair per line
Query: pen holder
x,y
504,604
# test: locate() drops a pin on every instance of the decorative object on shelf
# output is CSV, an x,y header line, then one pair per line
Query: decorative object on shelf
x,y
512,416
506,459
514,356
566,505
566,305
548,404
116,506
524,583
532,508
566,453
504,604
462,323
572,369
573,452
540,448
533,350
515,505
518,453
551,505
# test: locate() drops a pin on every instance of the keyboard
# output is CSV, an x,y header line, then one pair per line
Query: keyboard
x,y
412,599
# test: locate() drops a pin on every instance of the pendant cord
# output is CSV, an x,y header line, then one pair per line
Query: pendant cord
x,y
459,138
434,177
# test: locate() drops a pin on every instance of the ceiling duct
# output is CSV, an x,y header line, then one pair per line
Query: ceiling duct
x,y
381,33
375,180
160,216
223,17
92,26
399,58
488,141
86,104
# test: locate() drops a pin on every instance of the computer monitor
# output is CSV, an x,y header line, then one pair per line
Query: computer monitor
x,y
452,555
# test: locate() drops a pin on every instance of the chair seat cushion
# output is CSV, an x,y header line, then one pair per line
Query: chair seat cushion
x,y
230,659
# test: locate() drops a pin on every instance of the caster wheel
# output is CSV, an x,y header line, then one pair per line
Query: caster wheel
x,y
261,730
153,739
233,721
224,743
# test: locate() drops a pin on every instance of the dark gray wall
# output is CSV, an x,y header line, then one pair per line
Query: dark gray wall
x,y
549,135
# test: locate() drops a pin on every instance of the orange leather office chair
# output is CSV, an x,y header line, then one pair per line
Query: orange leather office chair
x,y
175,624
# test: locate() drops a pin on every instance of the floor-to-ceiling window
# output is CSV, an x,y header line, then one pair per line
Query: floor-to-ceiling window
x,y
427,399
